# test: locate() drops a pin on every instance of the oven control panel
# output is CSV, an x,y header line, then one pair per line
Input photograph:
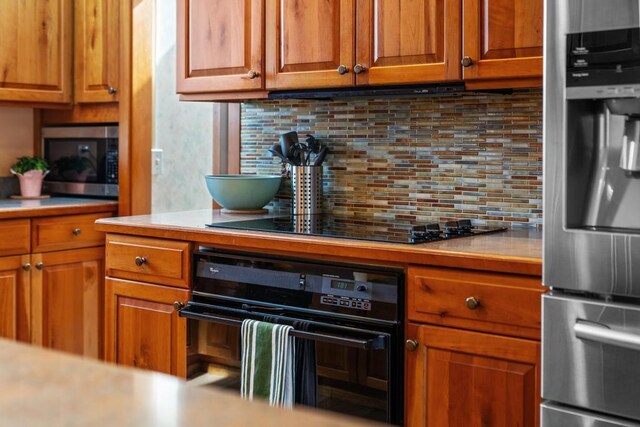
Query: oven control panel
x,y
346,302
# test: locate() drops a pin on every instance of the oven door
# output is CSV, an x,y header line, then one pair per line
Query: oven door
x,y
338,368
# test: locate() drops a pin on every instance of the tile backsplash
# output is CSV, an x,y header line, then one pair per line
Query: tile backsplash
x,y
471,155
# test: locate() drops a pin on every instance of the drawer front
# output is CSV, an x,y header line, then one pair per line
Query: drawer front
x,y
482,301
66,232
148,260
557,415
15,237
591,355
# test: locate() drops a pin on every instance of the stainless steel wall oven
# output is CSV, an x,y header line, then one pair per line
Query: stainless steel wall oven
x,y
347,323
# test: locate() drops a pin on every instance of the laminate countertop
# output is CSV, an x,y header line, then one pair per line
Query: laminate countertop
x,y
516,251
40,387
14,208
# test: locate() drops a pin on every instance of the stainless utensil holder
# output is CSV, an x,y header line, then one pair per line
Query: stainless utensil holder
x,y
306,190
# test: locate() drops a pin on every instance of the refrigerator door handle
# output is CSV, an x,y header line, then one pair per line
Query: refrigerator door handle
x,y
603,334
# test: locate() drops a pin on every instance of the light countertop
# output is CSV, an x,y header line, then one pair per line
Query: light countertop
x,y
41,387
15,208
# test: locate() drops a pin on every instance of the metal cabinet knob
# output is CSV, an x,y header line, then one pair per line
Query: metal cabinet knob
x,y
253,74
76,231
411,345
140,260
112,90
466,61
178,305
359,68
26,266
472,303
343,69
40,265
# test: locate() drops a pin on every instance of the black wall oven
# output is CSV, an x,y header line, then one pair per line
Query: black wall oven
x,y
346,319
83,160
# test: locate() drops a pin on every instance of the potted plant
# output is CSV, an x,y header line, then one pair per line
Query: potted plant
x,y
30,172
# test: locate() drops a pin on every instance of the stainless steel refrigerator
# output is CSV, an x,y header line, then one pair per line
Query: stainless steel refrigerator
x,y
591,316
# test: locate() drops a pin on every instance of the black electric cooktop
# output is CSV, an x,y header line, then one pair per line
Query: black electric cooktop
x,y
373,229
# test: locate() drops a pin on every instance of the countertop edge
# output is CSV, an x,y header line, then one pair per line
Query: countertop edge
x,y
41,211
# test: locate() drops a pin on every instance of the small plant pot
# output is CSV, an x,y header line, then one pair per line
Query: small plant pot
x,y
31,182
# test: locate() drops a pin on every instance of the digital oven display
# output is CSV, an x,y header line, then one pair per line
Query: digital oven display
x,y
343,285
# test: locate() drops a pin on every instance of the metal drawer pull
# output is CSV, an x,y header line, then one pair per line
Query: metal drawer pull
x,y
472,303
140,260
76,231
40,265
604,335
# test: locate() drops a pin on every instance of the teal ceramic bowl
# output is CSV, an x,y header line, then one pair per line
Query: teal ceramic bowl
x,y
243,192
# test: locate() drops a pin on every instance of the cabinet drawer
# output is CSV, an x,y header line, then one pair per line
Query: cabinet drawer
x,y
66,232
15,237
148,260
493,302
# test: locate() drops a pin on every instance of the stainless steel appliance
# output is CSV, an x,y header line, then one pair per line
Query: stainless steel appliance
x,y
83,160
347,320
591,317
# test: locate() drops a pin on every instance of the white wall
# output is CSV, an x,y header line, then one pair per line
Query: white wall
x,y
184,130
16,136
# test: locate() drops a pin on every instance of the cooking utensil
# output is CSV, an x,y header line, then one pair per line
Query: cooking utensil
x,y
276,151
287,141
321,156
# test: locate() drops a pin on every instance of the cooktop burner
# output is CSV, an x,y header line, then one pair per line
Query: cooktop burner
x,y
374,229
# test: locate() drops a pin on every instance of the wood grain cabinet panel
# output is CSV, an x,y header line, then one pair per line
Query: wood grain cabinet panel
x,y
220,45
96,50
462,378
36,51
307,41
504,39
66,300
14,297
408,41
66,232
142,328
16,237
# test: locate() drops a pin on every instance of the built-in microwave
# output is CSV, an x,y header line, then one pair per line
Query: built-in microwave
x,y
83,160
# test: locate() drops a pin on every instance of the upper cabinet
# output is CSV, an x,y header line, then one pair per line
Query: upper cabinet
x,y
502,42
36,51
96,50
408,41
220,45
309,44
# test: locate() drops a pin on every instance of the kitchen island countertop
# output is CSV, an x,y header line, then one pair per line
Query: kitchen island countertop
x,y
45,388
515,251
19,208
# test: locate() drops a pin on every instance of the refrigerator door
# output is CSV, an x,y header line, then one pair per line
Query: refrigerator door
x,y
553,415
576,131
591,355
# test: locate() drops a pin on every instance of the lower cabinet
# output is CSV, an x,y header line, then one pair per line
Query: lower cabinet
x,y
463,378
66,300
14,297
142,327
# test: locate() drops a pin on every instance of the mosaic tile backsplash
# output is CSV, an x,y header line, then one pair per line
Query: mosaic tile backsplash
x,y
471,155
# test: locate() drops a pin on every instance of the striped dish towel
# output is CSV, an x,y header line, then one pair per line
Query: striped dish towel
x,y
267,362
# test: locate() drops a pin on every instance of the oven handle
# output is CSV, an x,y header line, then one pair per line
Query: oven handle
x,y
377,343
602,334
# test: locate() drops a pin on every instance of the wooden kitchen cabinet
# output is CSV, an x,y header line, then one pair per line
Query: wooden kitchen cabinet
x,y
408,41
14,297
309,44
66,300
142,327
503,43
97,50
462,378
36,51
220,45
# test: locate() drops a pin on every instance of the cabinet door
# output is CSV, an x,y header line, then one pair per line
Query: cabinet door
x,y
461,378
408,41
36,51
14,297
503,38
142,328
96,51
66,300
308,41
219,45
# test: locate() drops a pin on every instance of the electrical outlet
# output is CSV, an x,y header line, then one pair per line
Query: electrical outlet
x,y
156,161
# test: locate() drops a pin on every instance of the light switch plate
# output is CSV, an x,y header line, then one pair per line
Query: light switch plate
x,y
156,161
